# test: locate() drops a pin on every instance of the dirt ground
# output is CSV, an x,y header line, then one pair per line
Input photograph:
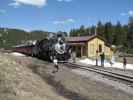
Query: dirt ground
x,y
17,82
87,89
32,79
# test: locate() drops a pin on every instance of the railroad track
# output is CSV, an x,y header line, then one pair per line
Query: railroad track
x,y
126,79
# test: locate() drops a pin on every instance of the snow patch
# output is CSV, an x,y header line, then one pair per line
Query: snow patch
x,y
106,64
17,54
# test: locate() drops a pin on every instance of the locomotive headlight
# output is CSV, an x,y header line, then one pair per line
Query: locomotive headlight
x,y
60,48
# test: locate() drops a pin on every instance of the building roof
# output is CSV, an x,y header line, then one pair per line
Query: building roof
x,y
78,43
82,39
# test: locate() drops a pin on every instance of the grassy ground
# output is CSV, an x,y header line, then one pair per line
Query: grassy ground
x,y
18,82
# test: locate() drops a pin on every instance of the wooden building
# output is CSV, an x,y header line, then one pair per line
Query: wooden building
x,y
89,46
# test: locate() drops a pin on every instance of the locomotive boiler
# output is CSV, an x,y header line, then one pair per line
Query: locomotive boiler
x,y
52,47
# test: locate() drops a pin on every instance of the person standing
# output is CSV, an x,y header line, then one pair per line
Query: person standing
x,y
96,57
124,63
55,61
102,59
74,56
112,60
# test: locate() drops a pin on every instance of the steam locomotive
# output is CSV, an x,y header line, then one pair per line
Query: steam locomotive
x,y
47,49
51,48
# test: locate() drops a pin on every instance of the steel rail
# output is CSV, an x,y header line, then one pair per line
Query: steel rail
x,y
119,76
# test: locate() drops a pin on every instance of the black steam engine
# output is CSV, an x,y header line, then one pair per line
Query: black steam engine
x,y
51,48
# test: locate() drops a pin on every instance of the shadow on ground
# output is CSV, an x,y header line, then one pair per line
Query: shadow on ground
x,y
57,86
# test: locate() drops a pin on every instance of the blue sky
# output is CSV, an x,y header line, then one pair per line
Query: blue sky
x,y
55,15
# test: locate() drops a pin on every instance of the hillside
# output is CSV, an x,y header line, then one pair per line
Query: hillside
x,y
10,37
17,82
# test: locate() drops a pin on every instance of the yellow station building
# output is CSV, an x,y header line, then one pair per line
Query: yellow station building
x,y
90,46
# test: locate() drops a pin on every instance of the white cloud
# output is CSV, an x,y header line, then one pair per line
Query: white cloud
x,y
129,13
123,14
14,4
38,3
62,22
64,0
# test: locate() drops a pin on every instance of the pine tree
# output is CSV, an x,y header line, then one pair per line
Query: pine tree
x,y
108,32
93,29
130,33
73,32
88,31
100,29
125,31
118,36
82,31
